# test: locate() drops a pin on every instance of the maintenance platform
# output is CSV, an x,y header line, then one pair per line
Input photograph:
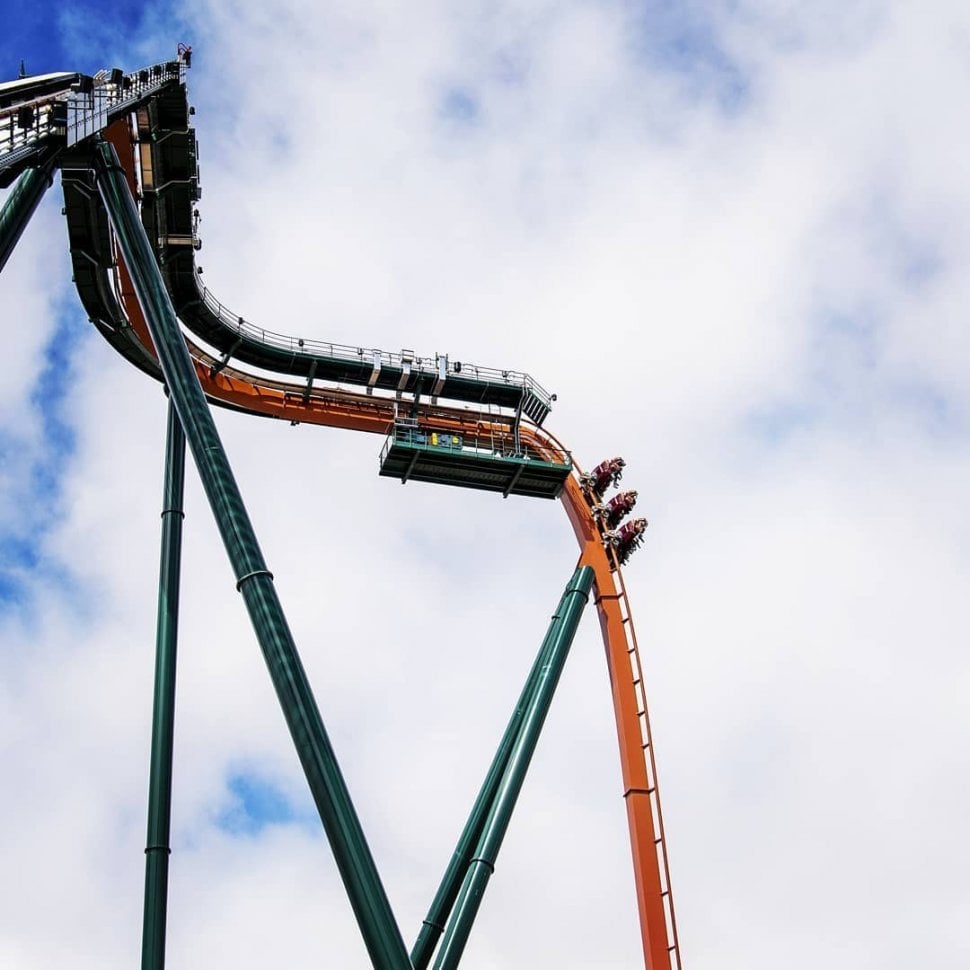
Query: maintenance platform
x,y
492,463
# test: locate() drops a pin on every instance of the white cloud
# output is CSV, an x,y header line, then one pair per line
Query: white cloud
x,y
757,301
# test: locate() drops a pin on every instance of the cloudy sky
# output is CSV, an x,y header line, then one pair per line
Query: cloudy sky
x,y
733,237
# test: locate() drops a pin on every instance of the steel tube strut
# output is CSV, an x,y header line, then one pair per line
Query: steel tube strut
x,y
560,638
157,848
359,873
440,910
20,206
434,923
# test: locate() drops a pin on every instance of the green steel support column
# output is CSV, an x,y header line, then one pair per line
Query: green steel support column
x,y
434,923
157,848
19,207
562,630
354,860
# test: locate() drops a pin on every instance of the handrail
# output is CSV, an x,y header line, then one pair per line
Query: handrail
x,y
74,113
308,347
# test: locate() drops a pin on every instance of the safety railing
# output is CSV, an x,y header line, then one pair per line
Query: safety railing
x,y
427,365
491,444
81,109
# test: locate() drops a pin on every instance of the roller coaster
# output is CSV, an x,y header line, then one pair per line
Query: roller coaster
x,y
127,157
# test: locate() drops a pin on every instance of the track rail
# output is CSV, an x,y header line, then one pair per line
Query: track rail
x,y
108,295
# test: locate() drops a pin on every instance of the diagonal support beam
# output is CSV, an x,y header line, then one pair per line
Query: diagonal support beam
x,y
378,927
474,859
434,923
20,206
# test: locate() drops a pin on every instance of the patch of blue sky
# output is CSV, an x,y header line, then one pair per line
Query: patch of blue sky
x,y
30,38
258,803
856,412
63,35
929,408
280,138
21,564
681,39
49,396
66,35
11,589
109,35
848,386
38,482
911,261
845,340
776,424
459,105
510,65
18,556
919,265
903,244
837,374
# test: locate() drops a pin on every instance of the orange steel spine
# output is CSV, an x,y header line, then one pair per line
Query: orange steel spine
x,y
358,412
640,790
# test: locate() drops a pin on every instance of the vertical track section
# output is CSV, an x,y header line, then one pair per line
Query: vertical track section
x,y
658,929
653,787
368,899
